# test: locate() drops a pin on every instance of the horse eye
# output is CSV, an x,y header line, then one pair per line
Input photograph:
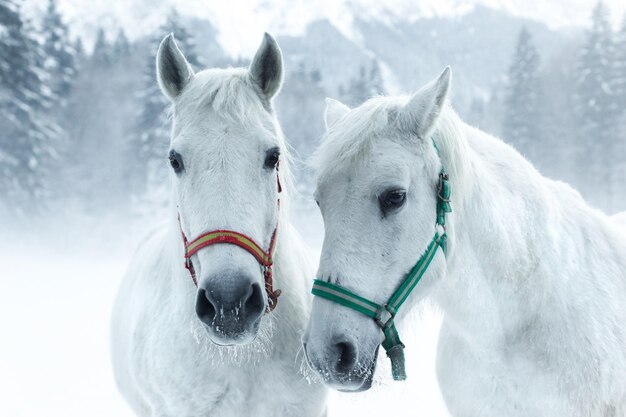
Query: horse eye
x,y
271,158
176,161
391,200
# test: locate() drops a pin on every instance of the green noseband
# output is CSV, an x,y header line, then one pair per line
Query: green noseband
x,y
384,315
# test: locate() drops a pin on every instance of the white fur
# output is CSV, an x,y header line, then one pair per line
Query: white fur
x,y
164,362
620,218
335,110
532,290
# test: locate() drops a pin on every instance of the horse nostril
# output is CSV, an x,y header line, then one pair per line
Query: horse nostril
x,y
230,307
346,357
255,303
204,307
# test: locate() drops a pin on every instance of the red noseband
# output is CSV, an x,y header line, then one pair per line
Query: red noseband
x,y
239,239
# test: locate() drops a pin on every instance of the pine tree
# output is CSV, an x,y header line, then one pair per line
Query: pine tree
x,y
596,110
121,45
619,89
559,132
59,51
367,84
619,65
153,125
99,155
101,50
60,69
27,133
301,107
79,49
522,115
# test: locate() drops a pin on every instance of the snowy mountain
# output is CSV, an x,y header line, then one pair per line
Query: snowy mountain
x,y
411,40
241,22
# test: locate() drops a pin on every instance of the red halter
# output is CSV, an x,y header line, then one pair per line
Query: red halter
x,y
235,238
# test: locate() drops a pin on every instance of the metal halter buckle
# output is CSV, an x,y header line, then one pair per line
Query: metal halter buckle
x,y
442,177
384,317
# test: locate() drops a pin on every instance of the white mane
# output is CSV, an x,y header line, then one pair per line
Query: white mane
x,y
229,92
371,121
358,129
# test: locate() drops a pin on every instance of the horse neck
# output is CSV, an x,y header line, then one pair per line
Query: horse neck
x,y
502,210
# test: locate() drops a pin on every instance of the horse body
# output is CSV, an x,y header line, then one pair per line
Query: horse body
x,y
533,294
531,288
217,348
620,218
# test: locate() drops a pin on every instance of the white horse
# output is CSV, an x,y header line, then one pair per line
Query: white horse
x,y
533,284
183,351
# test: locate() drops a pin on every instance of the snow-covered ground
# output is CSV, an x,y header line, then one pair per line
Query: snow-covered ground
x,y
54,354
54,351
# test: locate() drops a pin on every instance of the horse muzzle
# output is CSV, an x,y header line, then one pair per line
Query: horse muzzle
x,y
340,367
231,308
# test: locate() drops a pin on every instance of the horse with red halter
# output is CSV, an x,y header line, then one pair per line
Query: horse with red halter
x,y
209,317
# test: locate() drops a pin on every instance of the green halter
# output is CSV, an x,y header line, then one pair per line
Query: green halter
x,y
384,315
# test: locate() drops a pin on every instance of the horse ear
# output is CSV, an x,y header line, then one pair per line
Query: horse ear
x,y
335,110
422,111
266,69
173,70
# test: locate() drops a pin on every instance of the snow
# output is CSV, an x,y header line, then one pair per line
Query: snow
x,y
54,356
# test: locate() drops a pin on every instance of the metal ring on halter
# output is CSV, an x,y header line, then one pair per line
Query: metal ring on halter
x,y
386,321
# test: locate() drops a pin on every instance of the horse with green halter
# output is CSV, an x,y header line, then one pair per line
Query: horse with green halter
x,y
531,290
384,315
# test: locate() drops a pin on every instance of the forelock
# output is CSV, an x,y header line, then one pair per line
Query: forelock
x,y
228,92
351,138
